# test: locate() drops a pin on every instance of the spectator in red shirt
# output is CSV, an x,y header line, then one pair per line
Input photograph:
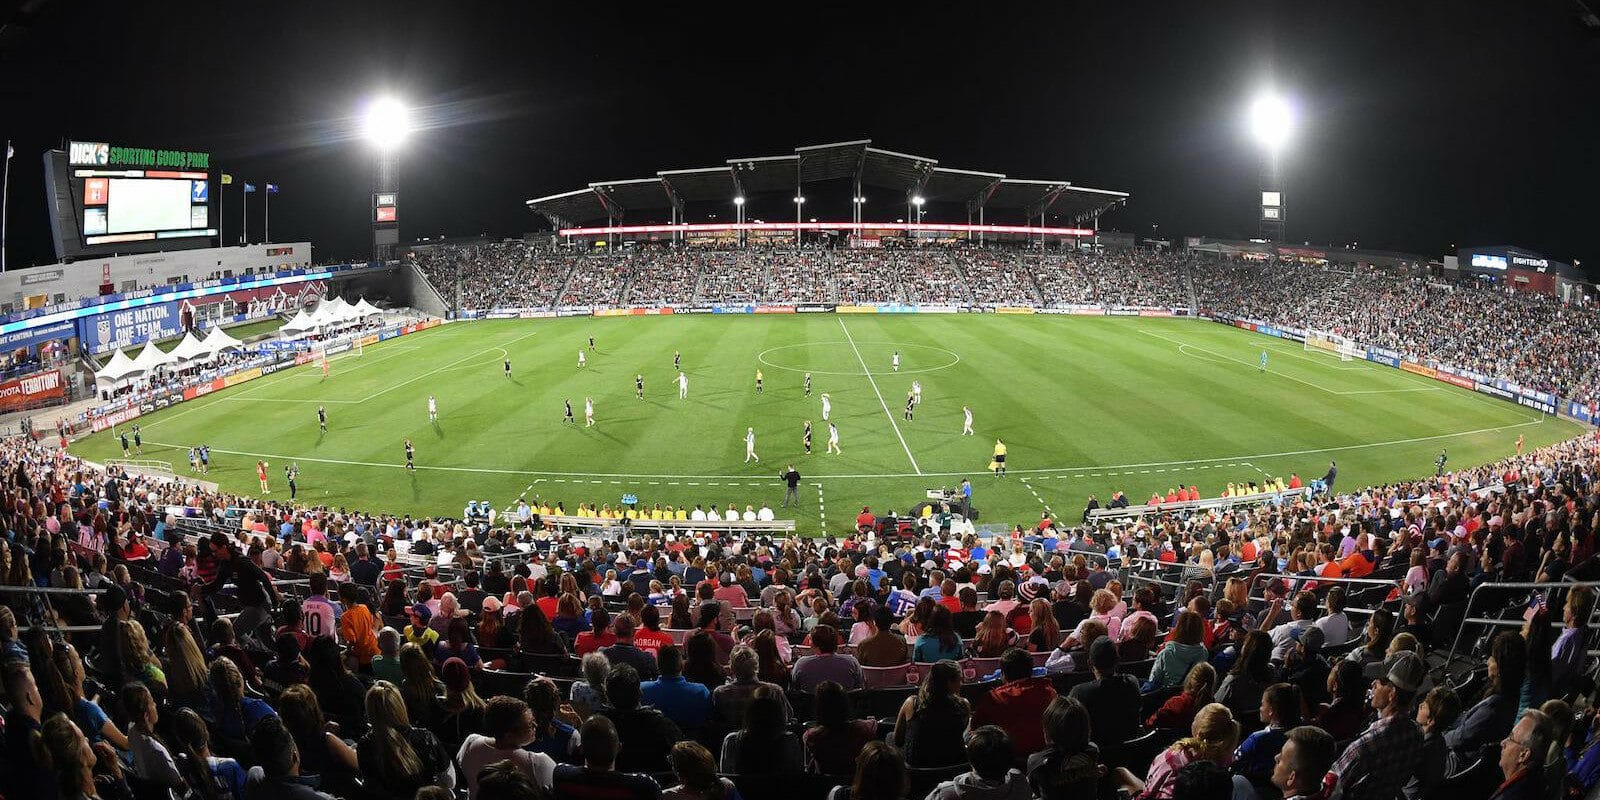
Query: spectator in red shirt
x,y
865,521
597,637
1155,500
1172,496
650,638
1015,705
1294,481
947,596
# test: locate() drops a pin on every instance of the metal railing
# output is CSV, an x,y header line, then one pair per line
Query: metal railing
x,y
1492,622
1257,583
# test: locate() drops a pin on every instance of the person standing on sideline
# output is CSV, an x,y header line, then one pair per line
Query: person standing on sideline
x,y
138,441
805,437
324,367
966,497
1519,444
290,473
808,384
966,421
791,482
750,446
999,459
683,386
588,412
833,439
827,406
261,472
1328,479
1438,463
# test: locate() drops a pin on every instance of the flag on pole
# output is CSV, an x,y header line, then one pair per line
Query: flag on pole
x,y
227,180
272,188
249,187
9,151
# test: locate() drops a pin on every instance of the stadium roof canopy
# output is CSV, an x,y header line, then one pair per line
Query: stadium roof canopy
x,y
856,161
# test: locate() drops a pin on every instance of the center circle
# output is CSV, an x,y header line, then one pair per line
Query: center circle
x,y
841,352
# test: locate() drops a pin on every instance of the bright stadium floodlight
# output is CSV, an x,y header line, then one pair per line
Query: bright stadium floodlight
x,y
1271,121
386,122
918,201
738,201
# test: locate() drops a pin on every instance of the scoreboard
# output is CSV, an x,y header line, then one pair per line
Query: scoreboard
x,y
109,198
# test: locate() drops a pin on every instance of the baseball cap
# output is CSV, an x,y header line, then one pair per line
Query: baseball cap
x,y
455,674
1405,671
1436,543
422,612
490,605
1312,639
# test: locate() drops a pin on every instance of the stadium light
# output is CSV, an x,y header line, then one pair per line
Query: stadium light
x,y
738,201
386,122
1271,121
918,200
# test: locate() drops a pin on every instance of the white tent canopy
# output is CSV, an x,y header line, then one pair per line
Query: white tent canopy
x,y
119,366
219,340
301,322
366,309
151,358
191,349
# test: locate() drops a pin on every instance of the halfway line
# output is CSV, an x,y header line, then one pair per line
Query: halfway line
x,y
881,402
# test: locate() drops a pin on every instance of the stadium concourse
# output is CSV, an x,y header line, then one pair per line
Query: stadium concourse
x,y
1281,650
1527,338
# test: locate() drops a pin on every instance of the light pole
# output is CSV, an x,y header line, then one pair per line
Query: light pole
x,y
738,216
1272,121
917,201
385,124
799,203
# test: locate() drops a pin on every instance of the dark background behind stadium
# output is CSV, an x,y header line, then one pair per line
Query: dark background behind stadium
x,y
1424,124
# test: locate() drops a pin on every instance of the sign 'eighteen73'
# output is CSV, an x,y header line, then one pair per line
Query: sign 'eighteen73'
x,y
100,154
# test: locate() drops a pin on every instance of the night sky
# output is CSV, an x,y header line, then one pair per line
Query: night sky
x,y
1424,124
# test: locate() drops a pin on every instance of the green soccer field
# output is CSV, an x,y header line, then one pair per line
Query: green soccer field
x,y
1083,404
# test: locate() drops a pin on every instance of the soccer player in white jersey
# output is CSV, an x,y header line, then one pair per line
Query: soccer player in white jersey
x,y
966,421
580,358
896,362
750,446
433,409
683,386
588,412
827,406
833,438
916,391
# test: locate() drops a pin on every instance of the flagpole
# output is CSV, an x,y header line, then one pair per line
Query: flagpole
x,y
220,192
5,207
244,219
267,199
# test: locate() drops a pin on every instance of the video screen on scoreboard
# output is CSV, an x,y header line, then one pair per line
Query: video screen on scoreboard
x,y
118,197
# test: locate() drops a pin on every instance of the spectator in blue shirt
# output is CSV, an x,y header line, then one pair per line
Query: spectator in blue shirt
x,y
684,702
1280,711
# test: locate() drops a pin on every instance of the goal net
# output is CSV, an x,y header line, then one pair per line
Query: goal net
x,y
1333,344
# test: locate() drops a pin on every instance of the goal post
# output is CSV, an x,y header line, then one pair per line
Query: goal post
x,y
1332,344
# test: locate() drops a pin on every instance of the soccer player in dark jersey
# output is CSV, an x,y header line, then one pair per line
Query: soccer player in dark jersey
x,y
806,437
322,418
567,415
124,437
138,441
591,344
808,384
638,386
911,406
411,456
508,367
677,360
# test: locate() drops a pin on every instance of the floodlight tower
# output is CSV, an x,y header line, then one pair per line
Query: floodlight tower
x,y
1272,122
385,124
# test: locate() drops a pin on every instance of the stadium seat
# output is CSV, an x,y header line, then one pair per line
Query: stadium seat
x,y
974,669
876,677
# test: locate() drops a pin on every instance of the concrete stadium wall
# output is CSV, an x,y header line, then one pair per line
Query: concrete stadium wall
x,y
62,282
